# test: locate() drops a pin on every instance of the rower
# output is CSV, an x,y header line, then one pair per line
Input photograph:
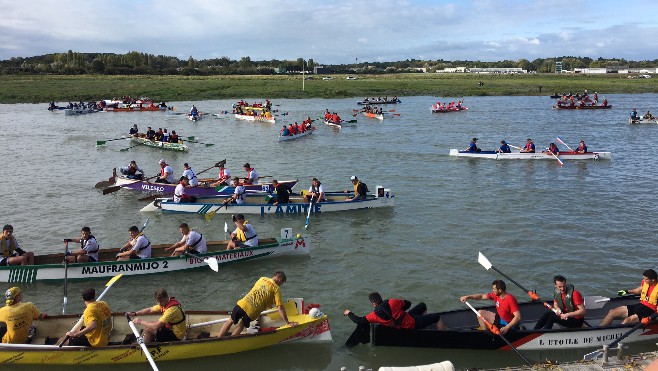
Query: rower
x,y
472,146
89,247
529,147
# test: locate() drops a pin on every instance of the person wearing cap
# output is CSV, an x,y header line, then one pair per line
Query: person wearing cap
x,y
224,177
18,316
88,251
97,319
166,173
265,293
190,175
193,242
179,192
138,247
472,146
131,171
12,254
315,192
252,175
504,147
360,190
529,147
244,234
134,130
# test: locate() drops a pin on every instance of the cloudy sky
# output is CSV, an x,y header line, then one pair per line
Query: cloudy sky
x,y
334,31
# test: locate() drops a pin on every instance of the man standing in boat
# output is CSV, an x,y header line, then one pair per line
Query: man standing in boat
x,y
88,251
18,316
507,316
392,313
265,293
568,304
12,254
636,312
170,326
97,323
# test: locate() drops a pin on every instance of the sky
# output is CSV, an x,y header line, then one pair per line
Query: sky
x,y
334,31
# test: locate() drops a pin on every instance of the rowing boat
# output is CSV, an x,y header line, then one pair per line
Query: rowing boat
x,y
282,138
544,155
578,106
258,204
370,102
203,189
162,145
434,109
642,120
341,124
80,111
195,118
49,267
463,332
378,116
268,119
145,106
201,338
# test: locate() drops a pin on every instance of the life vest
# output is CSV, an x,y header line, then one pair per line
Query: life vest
x,y
173,138
221,174
131,170
8,251
644,296
568,299
241,236
391,313
84,242
162,170
173,303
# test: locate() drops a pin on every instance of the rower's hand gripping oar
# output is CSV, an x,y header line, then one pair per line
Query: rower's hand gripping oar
x,y
496,331
487,265
140,341
141,230
108,285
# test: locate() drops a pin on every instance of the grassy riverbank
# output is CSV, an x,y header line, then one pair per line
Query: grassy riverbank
x,y
46,88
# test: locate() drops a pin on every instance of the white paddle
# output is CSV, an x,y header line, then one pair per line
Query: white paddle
x,y
308,216
140,341
560,140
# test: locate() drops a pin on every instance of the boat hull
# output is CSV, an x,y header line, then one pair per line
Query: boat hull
x,y
463,335
50,268
643,121
270,332
581,107
270,120
197,191
257,204
180,147
283,138
368,103
448,110
341,124
374,115
532,156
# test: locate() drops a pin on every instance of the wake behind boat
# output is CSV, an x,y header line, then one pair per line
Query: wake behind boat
x,y
463,332
544,155
258,204
50,268
200,339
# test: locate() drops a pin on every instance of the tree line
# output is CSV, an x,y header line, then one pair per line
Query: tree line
x,y
136,63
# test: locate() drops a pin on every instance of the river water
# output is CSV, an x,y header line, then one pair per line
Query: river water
x,y
593,222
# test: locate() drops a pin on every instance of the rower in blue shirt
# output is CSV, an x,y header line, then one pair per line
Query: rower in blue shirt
x,y
634,115
504,147
472,146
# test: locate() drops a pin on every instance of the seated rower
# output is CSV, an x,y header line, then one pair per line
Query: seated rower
x,y
131,171
88,251
244,234
97,323
552,148
138,247
173,138
169,327
134,130
285,131
504,147
582,147
529,147
193,242
18,317
472,146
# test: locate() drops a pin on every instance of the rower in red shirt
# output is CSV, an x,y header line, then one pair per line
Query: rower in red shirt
x,y
507,316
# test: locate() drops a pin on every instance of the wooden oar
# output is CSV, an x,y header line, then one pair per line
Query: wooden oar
x,y
133,146
193,141
496,331
140,341
102,142
108,285
644,322
487,265
111,189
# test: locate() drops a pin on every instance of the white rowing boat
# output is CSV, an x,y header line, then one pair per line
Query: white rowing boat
x,y
341,124
282,138
258,204
268,119
532,156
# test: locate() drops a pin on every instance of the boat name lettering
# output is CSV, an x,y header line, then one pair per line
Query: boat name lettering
x,y
559,342
155,188
118,268
230,256
609,337
157,352
124,355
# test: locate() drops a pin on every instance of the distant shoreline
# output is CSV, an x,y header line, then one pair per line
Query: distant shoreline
x,y
64,88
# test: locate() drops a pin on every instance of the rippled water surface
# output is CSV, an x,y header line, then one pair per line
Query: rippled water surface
x,y
590,221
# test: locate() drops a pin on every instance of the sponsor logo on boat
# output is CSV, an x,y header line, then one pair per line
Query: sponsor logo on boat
x,y
292,209
123,355
150,187
231,256
300,242
129,267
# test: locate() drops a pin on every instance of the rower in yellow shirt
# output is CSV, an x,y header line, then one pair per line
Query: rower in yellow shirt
x,y
18,316
97,319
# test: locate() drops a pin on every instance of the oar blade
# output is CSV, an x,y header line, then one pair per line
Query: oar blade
x,y
210,215
212,263
113,280
484,261
101,142
111,190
